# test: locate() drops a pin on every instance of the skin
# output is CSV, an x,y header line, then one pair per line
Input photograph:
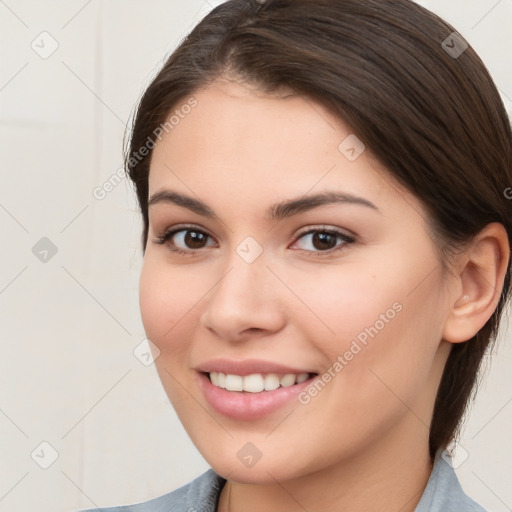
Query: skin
x,y
364,438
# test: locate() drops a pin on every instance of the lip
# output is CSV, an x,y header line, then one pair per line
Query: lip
x,y
242,405
248,367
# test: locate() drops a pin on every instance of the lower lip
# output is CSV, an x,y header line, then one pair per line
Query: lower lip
x,y
248,406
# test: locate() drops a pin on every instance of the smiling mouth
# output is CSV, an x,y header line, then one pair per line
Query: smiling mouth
x,y
256,382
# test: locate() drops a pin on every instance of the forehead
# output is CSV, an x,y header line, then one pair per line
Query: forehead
x,y
248,146
235,126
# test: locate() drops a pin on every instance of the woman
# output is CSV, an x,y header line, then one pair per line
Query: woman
x,y
326,251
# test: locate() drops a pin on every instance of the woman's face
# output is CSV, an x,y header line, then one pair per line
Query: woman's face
x,y
294,256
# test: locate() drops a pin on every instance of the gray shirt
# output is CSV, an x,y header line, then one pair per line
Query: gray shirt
x,y
443,493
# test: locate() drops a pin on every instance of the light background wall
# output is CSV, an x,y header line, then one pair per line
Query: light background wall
x,y
69,325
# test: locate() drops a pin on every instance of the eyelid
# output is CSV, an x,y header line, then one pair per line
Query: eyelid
x,y
327,228
166,234
347,239
170,232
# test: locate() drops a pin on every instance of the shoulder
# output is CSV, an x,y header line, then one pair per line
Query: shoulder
x,y
443,492
200,494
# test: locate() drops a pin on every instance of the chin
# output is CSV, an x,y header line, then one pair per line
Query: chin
x,y
261,473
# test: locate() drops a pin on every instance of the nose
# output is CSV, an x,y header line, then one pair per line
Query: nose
x,y
245,302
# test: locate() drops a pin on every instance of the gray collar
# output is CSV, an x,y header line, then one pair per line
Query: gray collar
x,y
443,492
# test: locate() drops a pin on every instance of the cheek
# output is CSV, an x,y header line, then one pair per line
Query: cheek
x,y
168,298
338,305
166,295
379,331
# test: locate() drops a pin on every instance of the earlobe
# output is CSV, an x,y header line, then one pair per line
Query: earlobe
x,y
480,283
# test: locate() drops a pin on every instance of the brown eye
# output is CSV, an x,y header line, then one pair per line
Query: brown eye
x,y
321,240
194,239
186,240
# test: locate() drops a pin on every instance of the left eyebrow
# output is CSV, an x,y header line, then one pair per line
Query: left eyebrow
x,y
302,204
275,212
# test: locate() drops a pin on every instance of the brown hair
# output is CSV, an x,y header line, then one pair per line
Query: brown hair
x,y
433,118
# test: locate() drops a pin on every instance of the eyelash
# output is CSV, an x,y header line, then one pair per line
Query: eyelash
x,y
346,239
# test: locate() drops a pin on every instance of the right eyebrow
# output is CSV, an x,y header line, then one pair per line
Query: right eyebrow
x,y
166,196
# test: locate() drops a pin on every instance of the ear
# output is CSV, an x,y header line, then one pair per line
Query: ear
x,y
480,276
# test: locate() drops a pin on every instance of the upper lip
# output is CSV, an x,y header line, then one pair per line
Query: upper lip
x,y
247,367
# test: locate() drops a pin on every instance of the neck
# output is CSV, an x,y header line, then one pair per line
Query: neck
x,y
394,477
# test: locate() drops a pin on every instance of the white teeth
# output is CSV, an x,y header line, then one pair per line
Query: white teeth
x,y
234,383
288,380
302,377
214,377
271,382
256,382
